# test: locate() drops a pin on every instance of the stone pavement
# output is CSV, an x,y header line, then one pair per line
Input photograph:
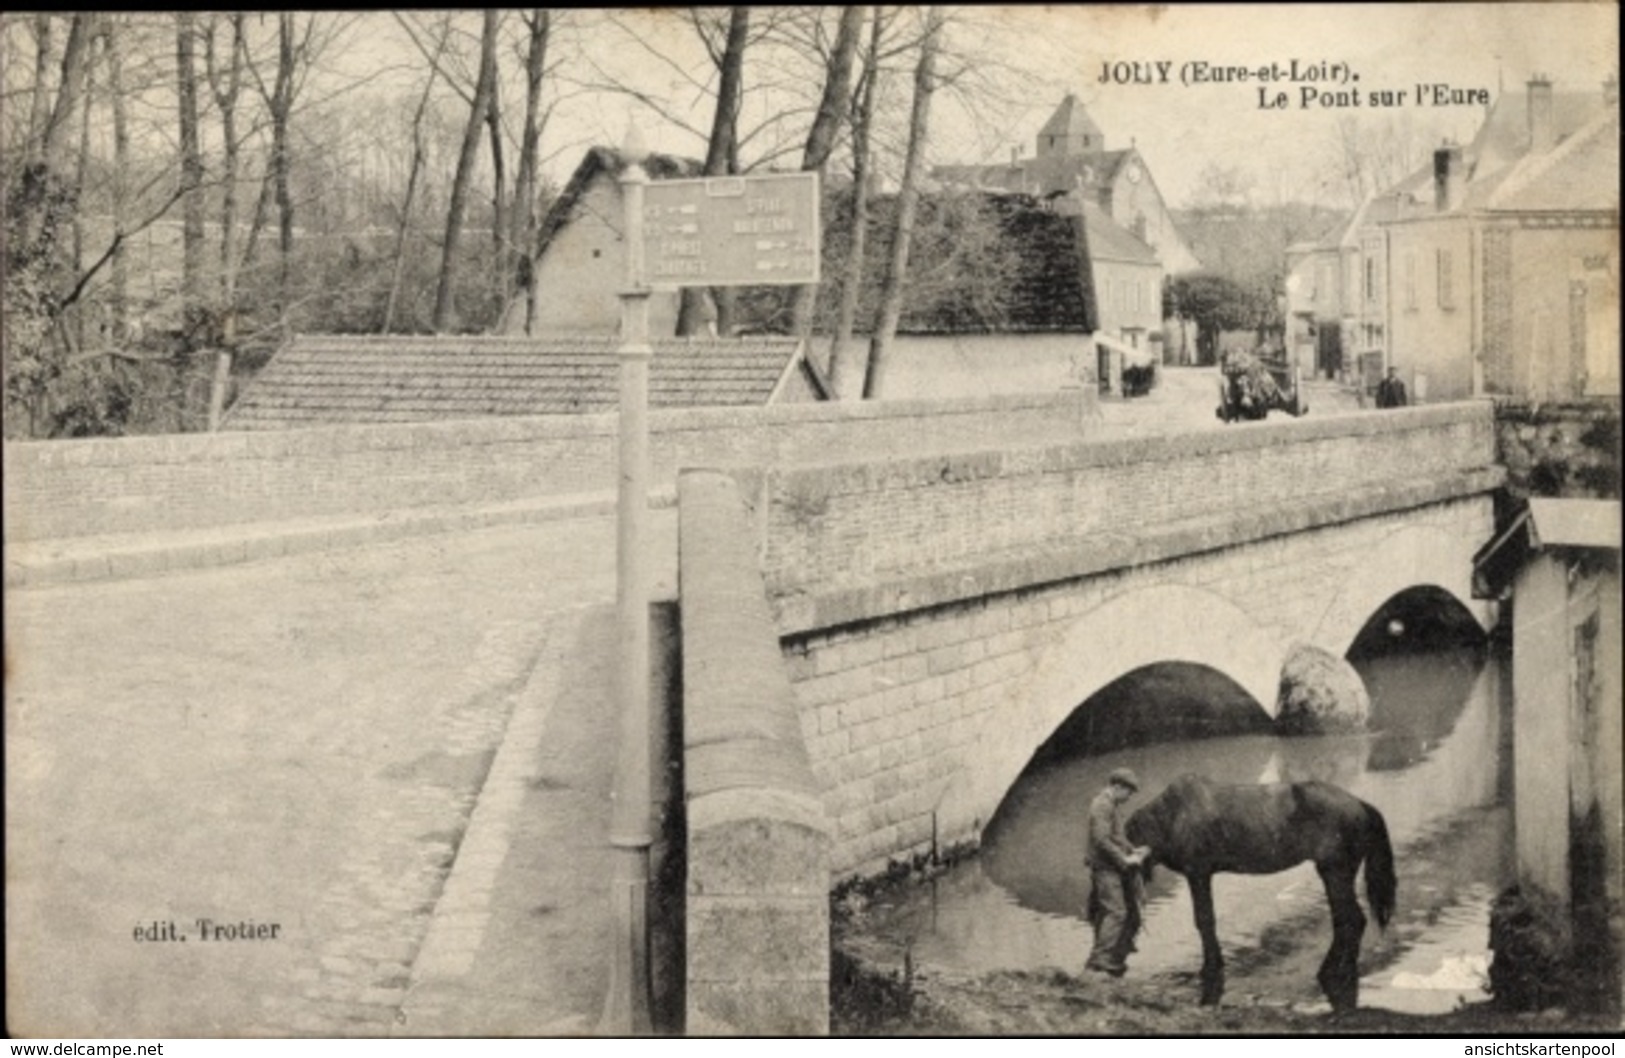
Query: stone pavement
x,y
301,743
517,946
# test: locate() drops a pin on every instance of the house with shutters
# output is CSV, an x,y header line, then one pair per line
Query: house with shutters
x,y
1494,269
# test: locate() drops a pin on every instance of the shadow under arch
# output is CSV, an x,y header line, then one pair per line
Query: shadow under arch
x,y
1425,641
1130,631
1408,559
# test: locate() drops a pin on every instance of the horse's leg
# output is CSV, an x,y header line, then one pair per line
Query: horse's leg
x,y
1201,886
1339,974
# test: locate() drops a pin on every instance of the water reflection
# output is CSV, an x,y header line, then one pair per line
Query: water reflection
x,y
1432,754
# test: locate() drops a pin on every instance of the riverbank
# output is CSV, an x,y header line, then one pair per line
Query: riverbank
x,y
881,989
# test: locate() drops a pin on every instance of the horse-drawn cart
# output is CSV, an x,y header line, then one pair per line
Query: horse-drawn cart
x,y
1250,387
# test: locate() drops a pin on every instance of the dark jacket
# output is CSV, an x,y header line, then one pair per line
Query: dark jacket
x,y
1391,393
1108,845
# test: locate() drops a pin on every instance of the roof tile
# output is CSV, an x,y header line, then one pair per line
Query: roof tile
x,y
342,379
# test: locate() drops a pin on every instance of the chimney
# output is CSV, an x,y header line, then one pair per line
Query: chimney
x,y
1542,132
1015,157
1610,91
1448,178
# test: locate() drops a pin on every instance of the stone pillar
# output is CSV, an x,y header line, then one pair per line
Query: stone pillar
x,y
759,839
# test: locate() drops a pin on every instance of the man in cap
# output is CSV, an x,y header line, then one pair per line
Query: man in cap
x,y
1114,905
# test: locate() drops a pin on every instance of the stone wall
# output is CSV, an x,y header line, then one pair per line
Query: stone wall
x,y
757,907
69,488
1564,449
845,542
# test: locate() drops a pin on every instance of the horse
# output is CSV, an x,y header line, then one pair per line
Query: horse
x,y
1200,828
1248,390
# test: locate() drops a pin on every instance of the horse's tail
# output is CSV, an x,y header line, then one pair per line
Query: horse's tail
x,y
1380,883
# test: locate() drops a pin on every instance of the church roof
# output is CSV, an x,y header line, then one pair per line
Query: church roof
x,y
1071,120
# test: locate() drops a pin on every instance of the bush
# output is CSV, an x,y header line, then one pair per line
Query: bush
x,y
1531,942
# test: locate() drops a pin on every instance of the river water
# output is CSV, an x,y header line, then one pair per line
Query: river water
x,y
1431,764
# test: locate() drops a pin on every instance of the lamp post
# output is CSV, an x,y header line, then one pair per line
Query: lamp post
x,y
626,1007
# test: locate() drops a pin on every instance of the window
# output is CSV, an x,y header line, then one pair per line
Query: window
x,y
1447,294
1370,278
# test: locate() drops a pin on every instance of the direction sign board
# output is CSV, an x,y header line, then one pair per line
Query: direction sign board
x,y
757,230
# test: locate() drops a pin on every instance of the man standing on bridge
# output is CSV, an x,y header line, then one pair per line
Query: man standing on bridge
x,y
1391,391
1114,898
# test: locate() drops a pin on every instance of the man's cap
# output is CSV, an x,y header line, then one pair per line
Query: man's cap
x,y
1125,777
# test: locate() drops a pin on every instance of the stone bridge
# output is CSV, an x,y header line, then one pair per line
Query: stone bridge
x,y
940,617
871,651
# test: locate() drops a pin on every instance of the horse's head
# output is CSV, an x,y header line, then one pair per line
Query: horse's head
x,y
1144,829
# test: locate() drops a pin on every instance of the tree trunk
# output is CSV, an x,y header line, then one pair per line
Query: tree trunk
x,y
524,219
411,184
191,182
891,292
227,86
499,192
721,157
112,45
832,108
81,163
465,167
53,138
281,106
262,206
852,280
39,108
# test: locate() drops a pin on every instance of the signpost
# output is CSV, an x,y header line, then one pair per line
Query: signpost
x,y
720,231
731,231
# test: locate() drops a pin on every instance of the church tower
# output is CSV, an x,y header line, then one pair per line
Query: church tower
x,y
1070,131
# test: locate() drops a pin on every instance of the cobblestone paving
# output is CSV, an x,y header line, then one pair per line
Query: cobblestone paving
x,y
298,742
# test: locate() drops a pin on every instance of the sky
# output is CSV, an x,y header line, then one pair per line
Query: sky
x,y
1041,52
1178,127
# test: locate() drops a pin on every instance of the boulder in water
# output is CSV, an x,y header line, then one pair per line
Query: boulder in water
x,y
1320,694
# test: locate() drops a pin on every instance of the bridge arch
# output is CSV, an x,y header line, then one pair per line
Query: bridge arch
x,y
1408,558
1189,625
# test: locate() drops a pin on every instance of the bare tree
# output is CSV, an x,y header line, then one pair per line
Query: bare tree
x,y
39,107
891,299
862,136
538,27
191,177
113,49
53,138
414,170
722,153
499,181
821,137
456,209
226,84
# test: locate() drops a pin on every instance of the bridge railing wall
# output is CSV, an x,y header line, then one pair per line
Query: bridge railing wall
x,y
758,838
862,533
70,488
